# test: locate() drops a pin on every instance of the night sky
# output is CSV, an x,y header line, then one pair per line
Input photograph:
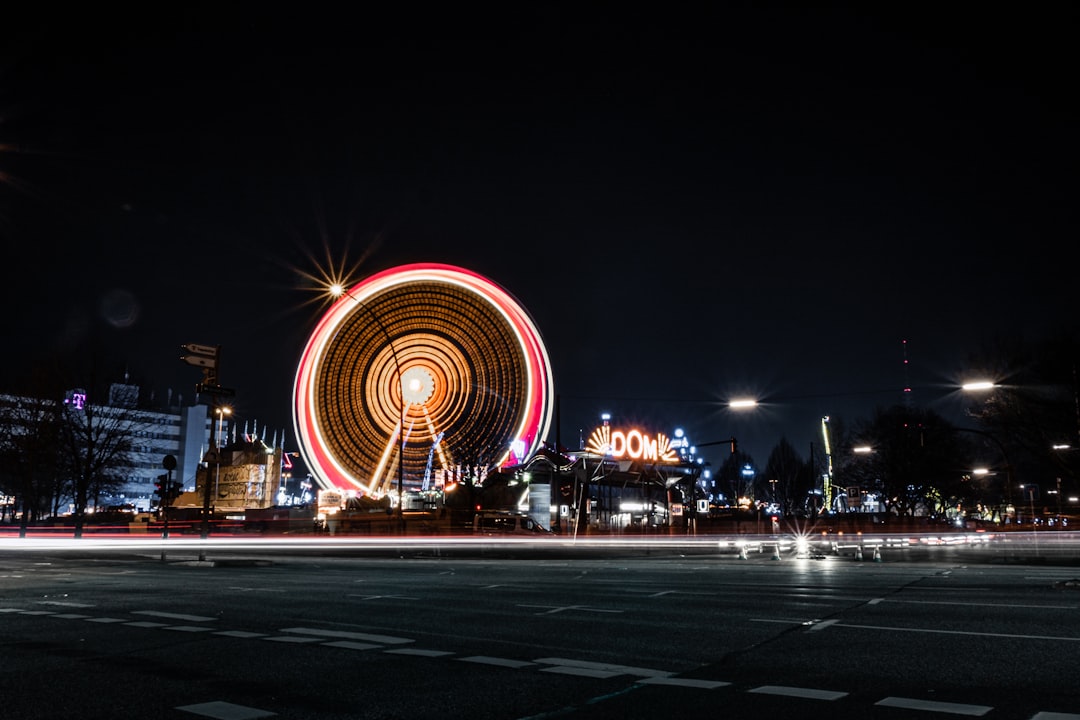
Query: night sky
x,y
692,204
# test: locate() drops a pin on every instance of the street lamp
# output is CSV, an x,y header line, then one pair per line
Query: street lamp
x,y
337,290
221,411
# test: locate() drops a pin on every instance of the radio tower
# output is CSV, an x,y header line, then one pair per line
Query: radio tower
x,y
907,398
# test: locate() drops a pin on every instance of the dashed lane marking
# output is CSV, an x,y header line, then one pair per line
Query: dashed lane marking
x,y
418,652
807,693
174,616
350,645
364,641
603,667
501,662
188,628
684,682
226,711
347,635
934,706
581,672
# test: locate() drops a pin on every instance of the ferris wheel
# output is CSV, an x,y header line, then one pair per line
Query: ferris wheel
x,y
417,366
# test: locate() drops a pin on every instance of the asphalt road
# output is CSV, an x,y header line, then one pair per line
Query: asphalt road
x,y
334,631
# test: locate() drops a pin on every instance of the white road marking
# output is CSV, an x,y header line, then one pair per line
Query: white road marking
x,y
552,609
1055,716
65,604
239,633
418,652
954,708
225,711
146,624
604,667
980,604
347,635
383,597
291,639
684,682
187,628
105,620
502,662
580,672
174,616
256,589
808,693
351,645
957,632
663,593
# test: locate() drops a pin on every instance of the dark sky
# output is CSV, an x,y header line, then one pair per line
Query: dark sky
x,y
692,204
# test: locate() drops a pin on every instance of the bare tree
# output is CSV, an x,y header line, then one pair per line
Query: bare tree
x,y
1034,411
918,458
29,461
784,478
96,442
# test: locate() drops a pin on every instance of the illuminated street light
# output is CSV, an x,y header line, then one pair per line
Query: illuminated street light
x,y
979,385
742,403
221,411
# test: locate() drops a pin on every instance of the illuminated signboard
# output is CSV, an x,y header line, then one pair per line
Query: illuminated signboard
x,y
632,444
76,399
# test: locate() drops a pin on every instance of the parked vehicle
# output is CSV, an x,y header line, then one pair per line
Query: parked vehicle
x,y
508,523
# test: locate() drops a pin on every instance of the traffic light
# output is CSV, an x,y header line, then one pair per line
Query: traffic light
x,y
160,486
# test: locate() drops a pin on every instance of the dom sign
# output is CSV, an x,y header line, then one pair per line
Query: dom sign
x,y
632,444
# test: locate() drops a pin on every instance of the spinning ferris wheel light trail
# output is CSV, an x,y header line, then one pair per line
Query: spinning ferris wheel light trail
x,y
416,362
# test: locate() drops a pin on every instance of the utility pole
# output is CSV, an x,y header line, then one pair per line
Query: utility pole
x,y
169,463
693,507
208,357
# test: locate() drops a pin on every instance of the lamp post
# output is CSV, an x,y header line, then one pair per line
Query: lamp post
x,y
337,290
221,411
